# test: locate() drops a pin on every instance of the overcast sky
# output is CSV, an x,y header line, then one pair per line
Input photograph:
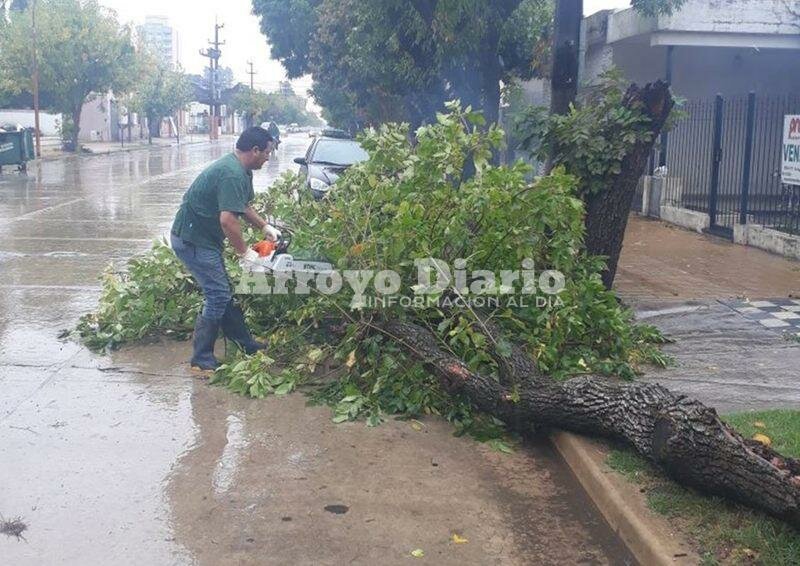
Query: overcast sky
x,y
194,20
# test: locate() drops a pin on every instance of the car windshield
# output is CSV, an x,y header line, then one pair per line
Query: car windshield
x,y
338,152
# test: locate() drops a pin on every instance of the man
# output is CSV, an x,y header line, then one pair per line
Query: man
x,y
272,129
210,213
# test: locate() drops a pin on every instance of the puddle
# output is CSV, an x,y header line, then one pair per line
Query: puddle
x,y
7,256
225,471
64,254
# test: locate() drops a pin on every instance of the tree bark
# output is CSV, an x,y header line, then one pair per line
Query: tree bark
x,y
153,127
607,211
76,123
683,436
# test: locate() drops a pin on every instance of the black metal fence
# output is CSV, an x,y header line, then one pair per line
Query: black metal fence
x,y
724,160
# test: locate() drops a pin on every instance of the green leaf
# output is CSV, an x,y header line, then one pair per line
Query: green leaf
x,y
284,388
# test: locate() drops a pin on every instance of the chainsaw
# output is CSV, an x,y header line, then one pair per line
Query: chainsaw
x,y
274,258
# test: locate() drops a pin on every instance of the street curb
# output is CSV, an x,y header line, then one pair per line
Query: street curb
x,y
645,535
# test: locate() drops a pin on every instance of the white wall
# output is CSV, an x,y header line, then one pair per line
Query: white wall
x,y
49,124
733,16
753,17
96,116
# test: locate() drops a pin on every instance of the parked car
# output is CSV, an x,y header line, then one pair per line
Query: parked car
x,y
326,159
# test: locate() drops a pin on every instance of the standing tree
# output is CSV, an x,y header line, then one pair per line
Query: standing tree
x,y
609,164
258,106
82,50
604,139
251,103
379,61
160,92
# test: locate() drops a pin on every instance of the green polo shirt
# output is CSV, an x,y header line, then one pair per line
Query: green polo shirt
x,y
225,185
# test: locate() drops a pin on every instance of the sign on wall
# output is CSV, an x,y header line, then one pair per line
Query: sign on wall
x,y
790,164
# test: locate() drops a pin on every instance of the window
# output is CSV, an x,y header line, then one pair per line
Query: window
x,y
338,152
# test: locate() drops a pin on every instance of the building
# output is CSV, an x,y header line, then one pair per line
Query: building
x,y
162,39
99,119
731,47
735,62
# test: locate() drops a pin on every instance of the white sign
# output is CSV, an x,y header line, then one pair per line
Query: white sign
x,y
790,164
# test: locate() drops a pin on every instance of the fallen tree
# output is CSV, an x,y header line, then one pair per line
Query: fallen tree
x,y
550,347
683,436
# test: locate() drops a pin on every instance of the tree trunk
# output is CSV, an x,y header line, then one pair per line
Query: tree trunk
x,y
566,55
153,127
607,211
683,436
76,123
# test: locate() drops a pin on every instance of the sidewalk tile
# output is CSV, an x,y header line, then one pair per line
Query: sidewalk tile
x,y
786,315
778,314
774,323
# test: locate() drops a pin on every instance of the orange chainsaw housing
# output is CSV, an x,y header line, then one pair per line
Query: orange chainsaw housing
x,y
264,248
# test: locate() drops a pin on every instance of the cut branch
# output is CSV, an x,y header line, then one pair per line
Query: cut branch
x,y
683,436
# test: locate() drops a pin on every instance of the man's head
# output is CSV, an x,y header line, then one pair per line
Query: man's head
x,y
254,146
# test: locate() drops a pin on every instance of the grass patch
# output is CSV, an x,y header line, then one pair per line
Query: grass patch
x,y
724,533
783,428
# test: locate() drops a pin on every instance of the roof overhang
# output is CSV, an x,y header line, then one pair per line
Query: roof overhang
x,y
684,29
711,39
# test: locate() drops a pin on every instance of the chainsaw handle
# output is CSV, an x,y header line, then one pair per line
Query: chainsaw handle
x,y
282,245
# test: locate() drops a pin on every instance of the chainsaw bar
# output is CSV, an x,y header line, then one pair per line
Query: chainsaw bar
x,y
283,263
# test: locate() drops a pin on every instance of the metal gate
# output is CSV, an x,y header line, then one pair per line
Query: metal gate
x,y
723,160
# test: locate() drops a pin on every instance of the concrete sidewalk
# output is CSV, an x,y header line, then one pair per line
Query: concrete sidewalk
x,y
51,146
663,262
684,283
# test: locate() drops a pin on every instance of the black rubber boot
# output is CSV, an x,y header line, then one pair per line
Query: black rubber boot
x,y
205,335
235,329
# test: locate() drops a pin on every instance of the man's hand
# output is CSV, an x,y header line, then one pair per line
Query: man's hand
x,y
271,233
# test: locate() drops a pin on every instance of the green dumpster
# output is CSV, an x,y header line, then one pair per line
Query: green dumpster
x,y
16,148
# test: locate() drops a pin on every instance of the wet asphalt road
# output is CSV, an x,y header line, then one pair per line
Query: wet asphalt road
x,y
129,460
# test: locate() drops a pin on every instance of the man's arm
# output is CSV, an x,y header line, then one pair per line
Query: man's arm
x,y
254,219
270,232
233,230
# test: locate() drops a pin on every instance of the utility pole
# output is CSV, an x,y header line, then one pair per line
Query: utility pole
x,y
250,121
566,55
35,83
251,72
213,53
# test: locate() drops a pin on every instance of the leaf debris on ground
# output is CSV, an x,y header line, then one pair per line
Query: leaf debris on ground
x,y
13,527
